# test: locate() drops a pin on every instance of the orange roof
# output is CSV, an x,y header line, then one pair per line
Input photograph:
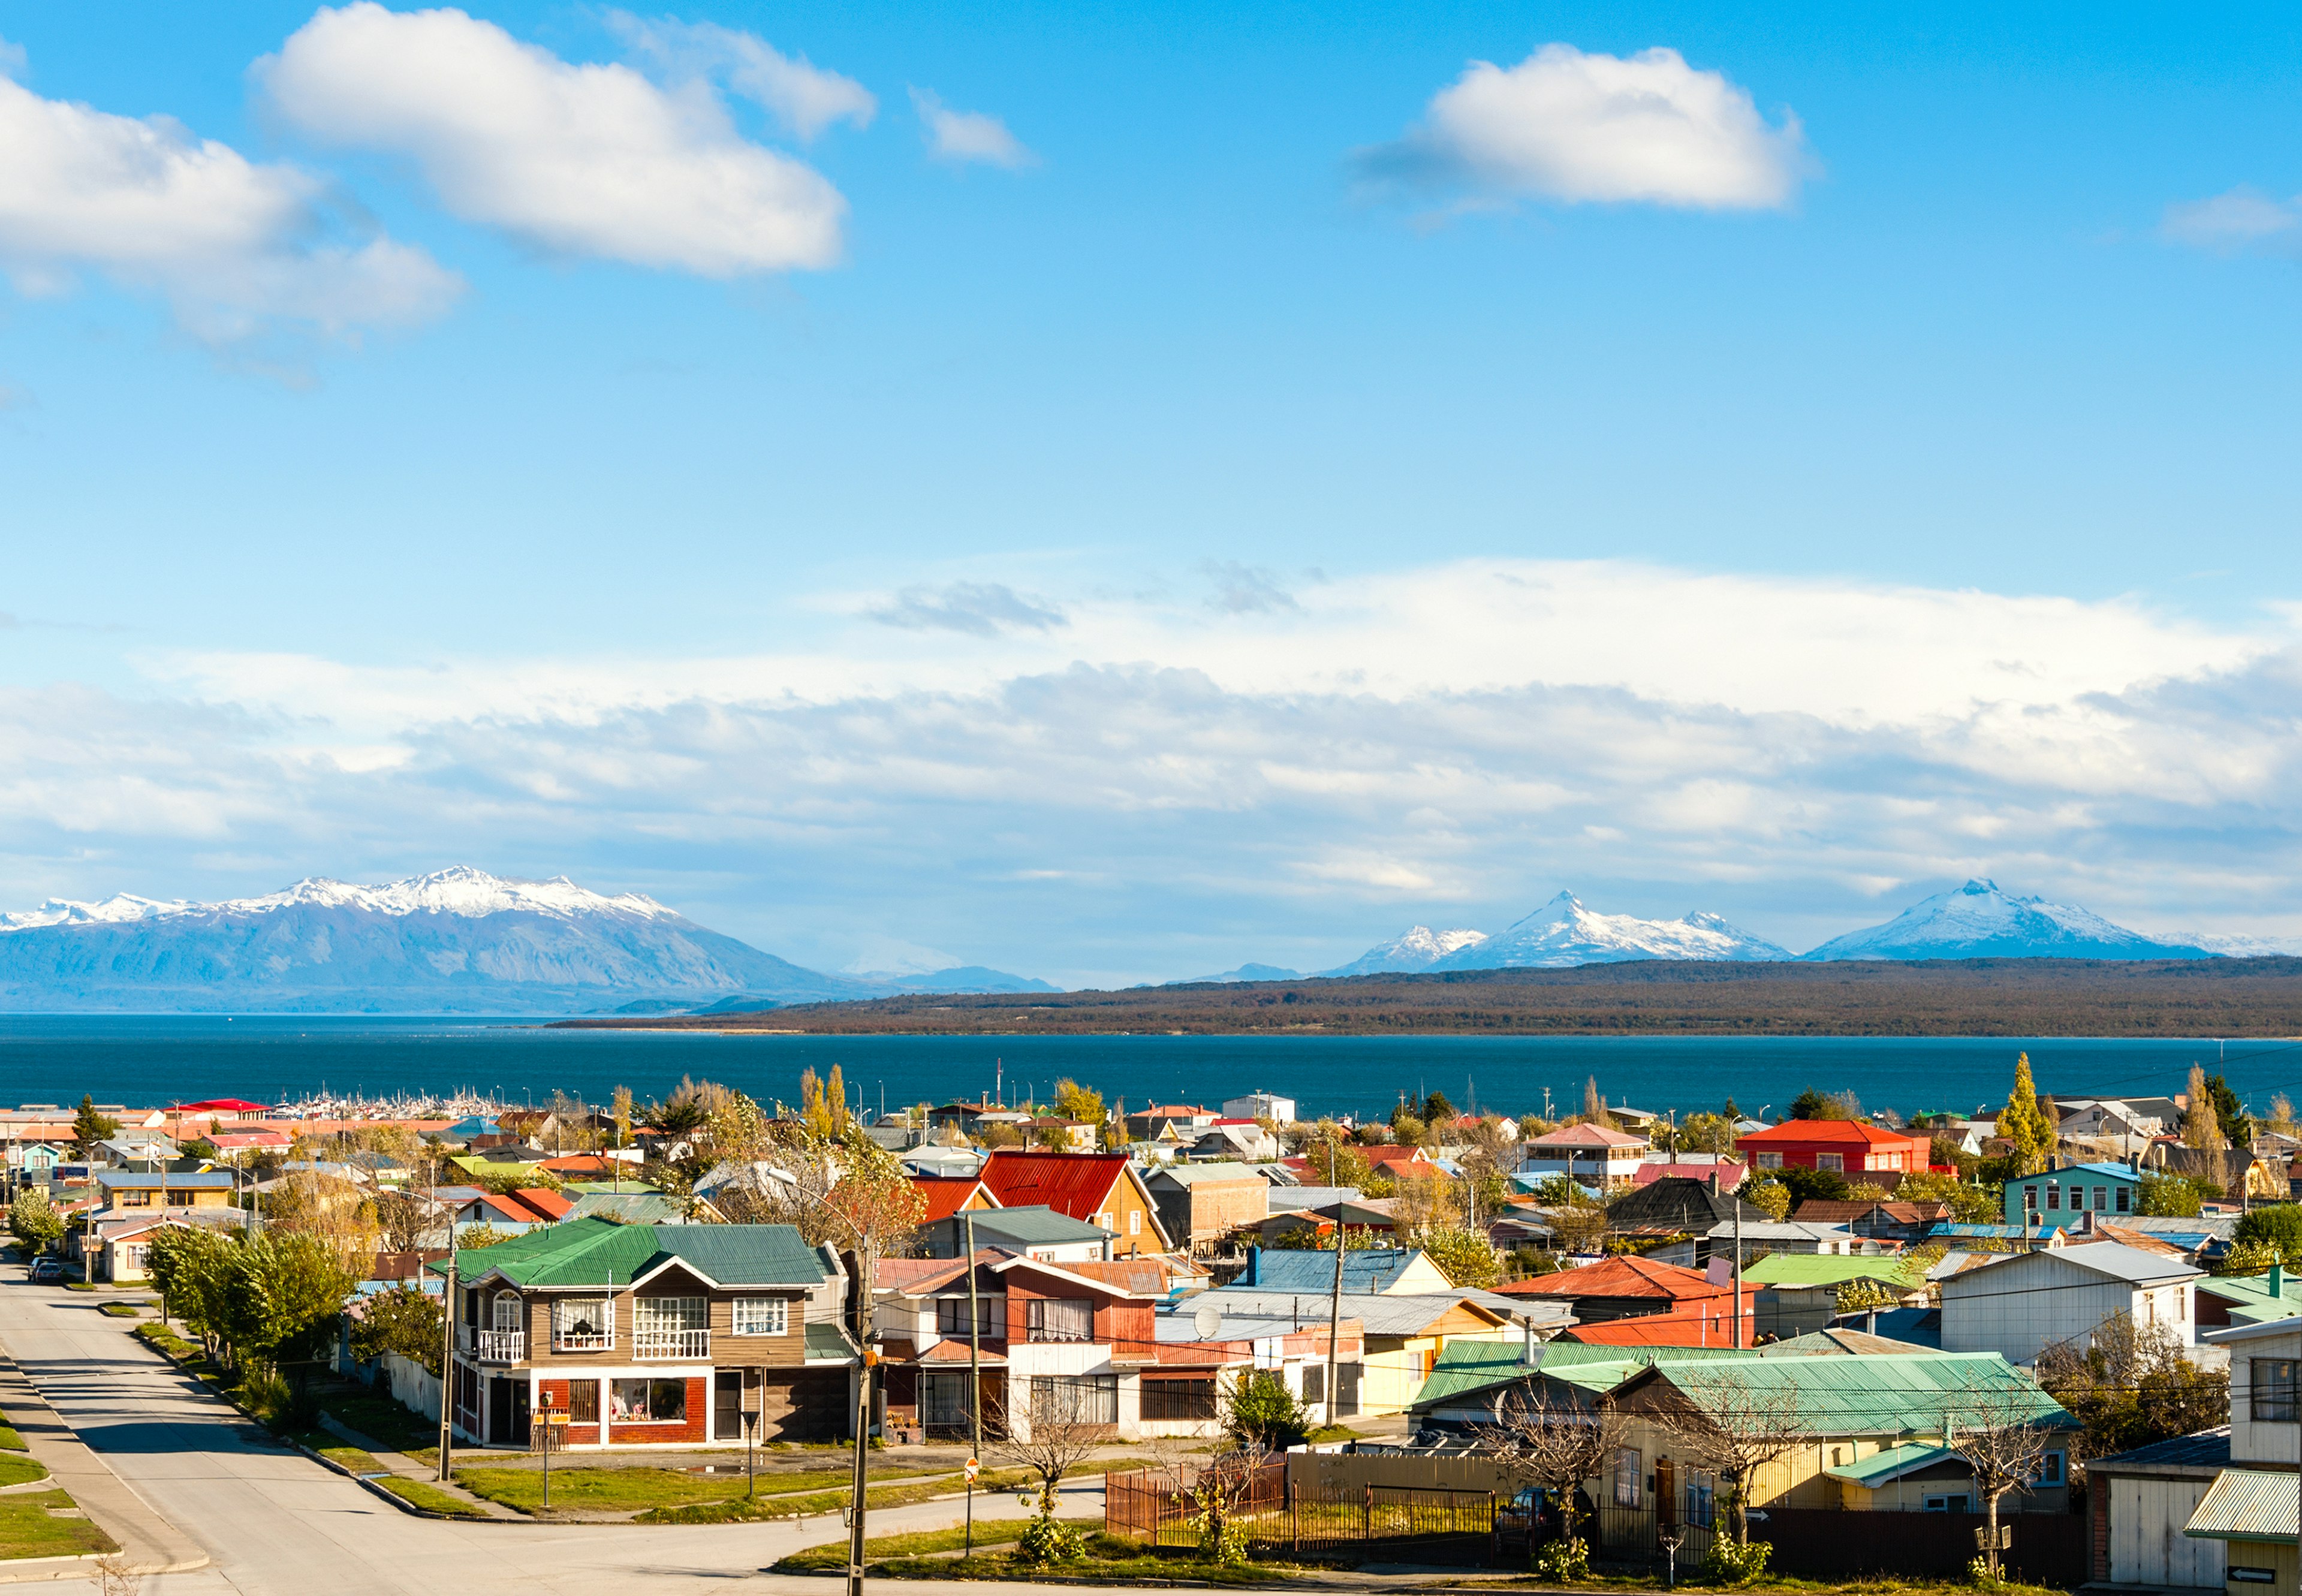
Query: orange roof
x,y
946,1195
1704,1326
551,1205
1587,1135
1377,1157
1621,1277
1078,1184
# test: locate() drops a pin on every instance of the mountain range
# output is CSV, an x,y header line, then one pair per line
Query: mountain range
x,y
455,941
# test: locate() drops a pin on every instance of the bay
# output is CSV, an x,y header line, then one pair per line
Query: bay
x,y
155,1060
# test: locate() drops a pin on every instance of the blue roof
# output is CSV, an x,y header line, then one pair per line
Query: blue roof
x,y
1363,1272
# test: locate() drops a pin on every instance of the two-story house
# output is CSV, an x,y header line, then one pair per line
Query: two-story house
x,y
1595,1156
1200,1203
2250,1506
1072,1340
1844,1146
1105,1189
2057,1198
652,1335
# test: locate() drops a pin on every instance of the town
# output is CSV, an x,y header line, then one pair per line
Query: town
x,y
2057,1343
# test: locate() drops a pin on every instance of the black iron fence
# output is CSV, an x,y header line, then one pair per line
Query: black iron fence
x,y
1360,1524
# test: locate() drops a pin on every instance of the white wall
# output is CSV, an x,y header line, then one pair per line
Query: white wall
x,y
2032,1300
2147,1546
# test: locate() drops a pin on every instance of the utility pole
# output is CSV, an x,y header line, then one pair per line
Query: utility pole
x,y
1737,1304
448,1357
867,1269
1335,1313
974,1376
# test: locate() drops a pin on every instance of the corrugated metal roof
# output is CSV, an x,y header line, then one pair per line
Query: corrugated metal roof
x,y
1369,1271
1191,1174
597,1252
2205,1450
2243,1505
1394,1315
1824,1269
1885,1394
1888,1466
1037,1225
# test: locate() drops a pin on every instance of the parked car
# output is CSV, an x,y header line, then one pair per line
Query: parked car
x,y
47,1269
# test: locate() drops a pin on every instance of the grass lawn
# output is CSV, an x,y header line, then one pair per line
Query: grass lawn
x,y
167,1340
121,1310
628,1490
415,1493
1004,1531
736,1508
10,1442
21,1471
382,1420
359,1461
28,1530
1108,1559
77,1286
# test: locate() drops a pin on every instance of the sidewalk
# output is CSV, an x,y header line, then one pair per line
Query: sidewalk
x,y
149,1542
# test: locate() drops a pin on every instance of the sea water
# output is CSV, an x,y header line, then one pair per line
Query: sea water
x,y
156,1060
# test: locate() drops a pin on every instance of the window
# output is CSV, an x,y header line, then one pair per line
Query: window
x,y
1314,1383
584,1401
2030,1199
1629,1465
1770,1161
2125,1199
2270,1381
2101,1199
136,1199
647,1402
1950,1504
1135,1225
942,1402
506,1309
1183,1400
2050,1469
762,1316
1061,1319
2054,1196
1701,1496
1103,1222
1829,1161
1075,1400
951,1315
583,1324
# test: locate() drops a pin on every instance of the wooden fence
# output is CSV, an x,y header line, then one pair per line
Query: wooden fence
x,y
1361,1523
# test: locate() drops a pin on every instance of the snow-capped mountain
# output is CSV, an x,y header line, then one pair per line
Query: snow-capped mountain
x,y
1418,947
456,941
1980,921
2242,947
1563,933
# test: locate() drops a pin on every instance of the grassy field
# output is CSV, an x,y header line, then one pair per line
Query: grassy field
x,y
630,1490
28,1530
430,1497
1005,1531
382,1420
10,1442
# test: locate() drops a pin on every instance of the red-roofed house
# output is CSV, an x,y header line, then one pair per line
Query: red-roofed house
x,y
947,1195
1398,1163
552,1204
1696,1324
1625,1288
1102,1189
1595,1154
1847,1146
1730,1172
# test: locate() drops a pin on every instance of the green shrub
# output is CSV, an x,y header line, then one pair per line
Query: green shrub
x,y
1727,1562
1046,1539
1568,1562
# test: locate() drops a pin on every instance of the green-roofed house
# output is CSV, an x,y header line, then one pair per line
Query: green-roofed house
x,y
1798,1291
648,1334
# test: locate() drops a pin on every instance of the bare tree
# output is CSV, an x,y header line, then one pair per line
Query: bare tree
x,y
1732,1428
1054,1437
1553,1443
1997,1430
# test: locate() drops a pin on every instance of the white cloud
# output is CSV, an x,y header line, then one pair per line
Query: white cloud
x,y
589,160
1564,125
236,247
980,608
804,96
2241,219
967,136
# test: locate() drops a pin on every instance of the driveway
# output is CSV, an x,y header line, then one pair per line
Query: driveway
x,y
276,1523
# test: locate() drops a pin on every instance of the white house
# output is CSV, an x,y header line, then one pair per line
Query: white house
x,y
2028,1301
1260,1105
2249,1511
1591,1153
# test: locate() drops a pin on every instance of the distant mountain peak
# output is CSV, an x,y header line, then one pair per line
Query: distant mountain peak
x,y
1563,932
1418,947
458,890
1982,921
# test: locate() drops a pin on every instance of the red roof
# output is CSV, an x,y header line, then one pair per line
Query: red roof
x,y
946,1195
1587,1135
1707,1324
221,1106
1167,1111
551,1205
510,1209
1378,1156
1799,1132
1075,1183
1730,1172
1621,1277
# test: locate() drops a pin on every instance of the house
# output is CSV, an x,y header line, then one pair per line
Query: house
x,y
1397,1163
946,1195
124,1190
1185,1120
1691,1166
945,1161
2248,1298
2139,1502
2236,1170
1195,1366
1243,1141
1680,1205
1803,1290
651,1335
2250,1506
1403,1335
1062,1135
640,1208
117,1246
1199,1204
1070,1341
1764,1238
2056,1197
1710,1325
1260,1105
1596,1156
1102,1189
469,1206
1621,1288
1882,1220
1033,1231
1846,1147
1394,1272
2026,1302
1370,1215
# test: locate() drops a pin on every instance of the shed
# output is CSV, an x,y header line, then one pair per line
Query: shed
x,y
2139,1502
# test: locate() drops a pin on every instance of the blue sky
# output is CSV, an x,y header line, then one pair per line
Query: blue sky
x,y
1261,483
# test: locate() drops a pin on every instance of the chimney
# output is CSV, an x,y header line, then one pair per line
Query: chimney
x,y
1714,1180
2278,1282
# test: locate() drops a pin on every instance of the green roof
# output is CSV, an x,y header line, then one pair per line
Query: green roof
x,y
828,1342
599,1251
1891,1465
1879,1393
1823,1269
2249,1298
1466,1367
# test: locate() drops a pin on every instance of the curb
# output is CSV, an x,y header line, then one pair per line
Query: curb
x,y
27,1570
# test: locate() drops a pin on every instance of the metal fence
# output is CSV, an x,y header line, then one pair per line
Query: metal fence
x,y
1362,1524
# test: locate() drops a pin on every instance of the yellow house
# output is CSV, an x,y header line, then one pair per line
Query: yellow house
x,y
126,1192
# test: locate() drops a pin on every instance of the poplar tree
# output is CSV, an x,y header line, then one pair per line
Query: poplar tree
x,y
2025,1130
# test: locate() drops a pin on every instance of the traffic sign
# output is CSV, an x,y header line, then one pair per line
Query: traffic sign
x,y
972,1465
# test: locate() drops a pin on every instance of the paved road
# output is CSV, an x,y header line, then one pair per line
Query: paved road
x,y
277,1523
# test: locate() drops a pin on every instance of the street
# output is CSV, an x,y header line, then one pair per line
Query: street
x,y
276,1523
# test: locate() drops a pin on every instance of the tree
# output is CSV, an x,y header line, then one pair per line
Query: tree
x,y
2281,1115
2128,1385
1862,1294
1304,1238
402,1220
402,1319
89,1127
2202,1128
822,1104
471,1237
1408,1128
2278,1226
1435,1110
1552,1443
2236,1128
1770,1196
1812,1185
1811,1105
1706,1133
1733,1429
1464,1257
622,1112
1333,1158
1263,1414
1075,1102
285,1292
2166,1196
1968,1205
1594,1103
34,1221
191,1266
1997,1430
2020,1124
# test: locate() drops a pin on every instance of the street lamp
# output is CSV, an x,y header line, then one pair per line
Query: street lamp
x,y
866,1268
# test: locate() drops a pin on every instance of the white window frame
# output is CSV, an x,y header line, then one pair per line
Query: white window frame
x,y
1770,1161
1834,1162
1135,1222
759,1317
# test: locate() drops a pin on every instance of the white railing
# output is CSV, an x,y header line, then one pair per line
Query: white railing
x,y
671,1343
502,1346
576,1341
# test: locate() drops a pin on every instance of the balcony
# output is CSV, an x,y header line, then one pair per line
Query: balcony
x,y
583,1340
671,1343
501,1346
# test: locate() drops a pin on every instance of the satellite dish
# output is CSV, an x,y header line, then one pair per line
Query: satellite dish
x,y
1208,1320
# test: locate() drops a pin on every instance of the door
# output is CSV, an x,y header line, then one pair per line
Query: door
x,y
727,1405
518,1435
498,1411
